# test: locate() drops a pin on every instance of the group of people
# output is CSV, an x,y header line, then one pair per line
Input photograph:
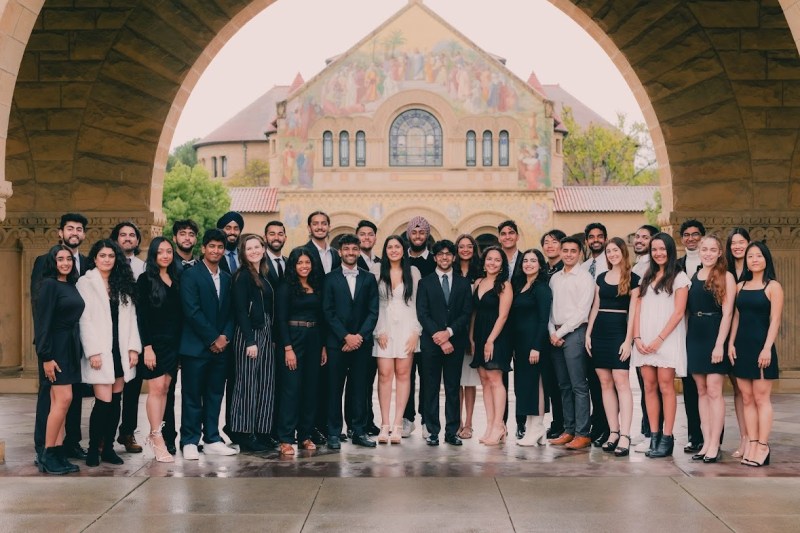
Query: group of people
x,y
294,344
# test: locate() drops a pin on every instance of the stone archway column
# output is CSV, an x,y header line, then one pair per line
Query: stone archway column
x,y
781,231
25,236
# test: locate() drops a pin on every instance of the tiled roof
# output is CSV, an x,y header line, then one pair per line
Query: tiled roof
x,y
608,199
251,122
254,199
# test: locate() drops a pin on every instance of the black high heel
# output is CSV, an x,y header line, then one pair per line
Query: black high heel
x,y
698,457
745,461
622,452
708,460
765,462
611,446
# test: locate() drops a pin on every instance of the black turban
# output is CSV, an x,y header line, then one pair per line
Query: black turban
x,y
230,216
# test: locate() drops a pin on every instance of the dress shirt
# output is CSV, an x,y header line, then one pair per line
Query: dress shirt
x,y
423,255
641,265
449,274
235,255
512,263
214,277
277,260
600,266
573,293
350,275
77,262
692,262
373,265
325,257
137,266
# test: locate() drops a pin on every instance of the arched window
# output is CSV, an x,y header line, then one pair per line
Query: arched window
x,y
224,166
471,148
327,149
487,148
361,149
214,172
415,140
344,149
502,149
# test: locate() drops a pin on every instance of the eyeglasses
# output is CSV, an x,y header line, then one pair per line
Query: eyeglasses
x,y
695,235
443,254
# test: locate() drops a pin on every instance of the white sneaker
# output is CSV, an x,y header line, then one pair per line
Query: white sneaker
x,y
190,452
643,446
218,448
408,428
425,432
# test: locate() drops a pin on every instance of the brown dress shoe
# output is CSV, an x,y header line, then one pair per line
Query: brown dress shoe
x,y
578,443
129,441
286,449
308,444
565,438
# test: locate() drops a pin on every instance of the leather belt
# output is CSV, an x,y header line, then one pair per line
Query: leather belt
x,y
620,311
579,325
301,323
700,313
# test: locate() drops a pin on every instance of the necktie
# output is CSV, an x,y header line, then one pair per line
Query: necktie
x,y
593,267
130,261
446,288
279,262
232,262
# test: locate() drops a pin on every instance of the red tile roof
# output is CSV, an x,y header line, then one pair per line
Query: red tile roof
x,y
250,123
603,199
254,199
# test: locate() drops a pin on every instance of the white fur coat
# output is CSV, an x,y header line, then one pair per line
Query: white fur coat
x,y
97,331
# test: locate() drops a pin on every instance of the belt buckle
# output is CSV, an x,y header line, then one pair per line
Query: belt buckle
x,y
700,314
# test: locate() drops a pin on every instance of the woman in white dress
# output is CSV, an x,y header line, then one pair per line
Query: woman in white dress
x,y
396,334
468,266
659,337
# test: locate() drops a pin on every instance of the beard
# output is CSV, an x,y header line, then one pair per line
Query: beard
x,y
418,248
275,247
231,246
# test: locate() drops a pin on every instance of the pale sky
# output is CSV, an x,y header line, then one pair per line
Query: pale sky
x,y
294,36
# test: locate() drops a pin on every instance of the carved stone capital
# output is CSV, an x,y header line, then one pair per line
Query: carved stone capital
x,y
5,194
780,229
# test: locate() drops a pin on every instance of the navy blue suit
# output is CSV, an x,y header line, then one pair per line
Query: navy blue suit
x,y
345,315
207,316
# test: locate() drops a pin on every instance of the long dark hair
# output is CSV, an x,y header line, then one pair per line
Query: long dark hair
x,y
729,255
246,266
671,269
769,267
502,276
158,292
50,269
315,277
405,267
474,268
519,278
122,287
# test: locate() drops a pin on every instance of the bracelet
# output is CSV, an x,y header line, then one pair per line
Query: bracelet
x,y
635,338
662,338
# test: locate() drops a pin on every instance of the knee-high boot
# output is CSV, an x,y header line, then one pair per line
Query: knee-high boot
x,y
97,422
110,430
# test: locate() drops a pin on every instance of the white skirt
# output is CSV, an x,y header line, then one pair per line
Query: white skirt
x,y
469,375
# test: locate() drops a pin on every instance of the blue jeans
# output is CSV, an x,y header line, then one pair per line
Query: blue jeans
x,y
570,365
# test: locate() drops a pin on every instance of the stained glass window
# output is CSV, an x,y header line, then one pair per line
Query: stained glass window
x,y
471,151
361,149
415,140
327,149
502,149
487,148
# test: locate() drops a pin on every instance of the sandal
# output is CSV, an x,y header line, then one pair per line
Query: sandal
x,y
396,435
465,433
609,446
156,442
619,451
383,436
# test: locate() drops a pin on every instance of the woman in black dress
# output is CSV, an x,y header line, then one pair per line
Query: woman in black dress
x,y
530,311
253,399
759,306
300,327
58,309
468,266
737,242
160,315
710,309
609,337
111,343
490,343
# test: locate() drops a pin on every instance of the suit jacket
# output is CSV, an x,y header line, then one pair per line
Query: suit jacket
x,y
436,315
223,264
681,262
363,264
206,316
336,261
272,275
344,314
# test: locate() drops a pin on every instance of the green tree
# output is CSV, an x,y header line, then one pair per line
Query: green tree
x,y
190,193
600,155
184,153
255,174
653,211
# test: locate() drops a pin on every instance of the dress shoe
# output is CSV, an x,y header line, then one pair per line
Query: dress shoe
x,y
452,440
432,440
554,432
59,450
108,455
693,447
129,441
520,432
601,439
364,441
579,443
252,444
349,434
74,451
664,448
318,438
93,457
37,454
308,444
171,448
286,449
334,443
698,457
372,429
266,440
713,459
564,438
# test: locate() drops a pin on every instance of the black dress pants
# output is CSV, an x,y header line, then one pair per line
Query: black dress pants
x,y
73,422
551,389
298,388
202,388
352,366
410,412
436,367
692,406
130,406
598,418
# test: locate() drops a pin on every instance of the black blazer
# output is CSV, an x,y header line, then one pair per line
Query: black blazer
x,y
681,262
434,314
345,315
363,264
253,307
206,315
272,274
336,261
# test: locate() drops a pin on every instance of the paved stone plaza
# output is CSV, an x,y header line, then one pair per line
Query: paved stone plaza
x,y
410,487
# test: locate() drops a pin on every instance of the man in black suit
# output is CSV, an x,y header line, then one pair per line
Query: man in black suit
x,y
232,225
319,227
692,232
350,305
551,247
367,233
444,307
275,237
71,232
208,329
